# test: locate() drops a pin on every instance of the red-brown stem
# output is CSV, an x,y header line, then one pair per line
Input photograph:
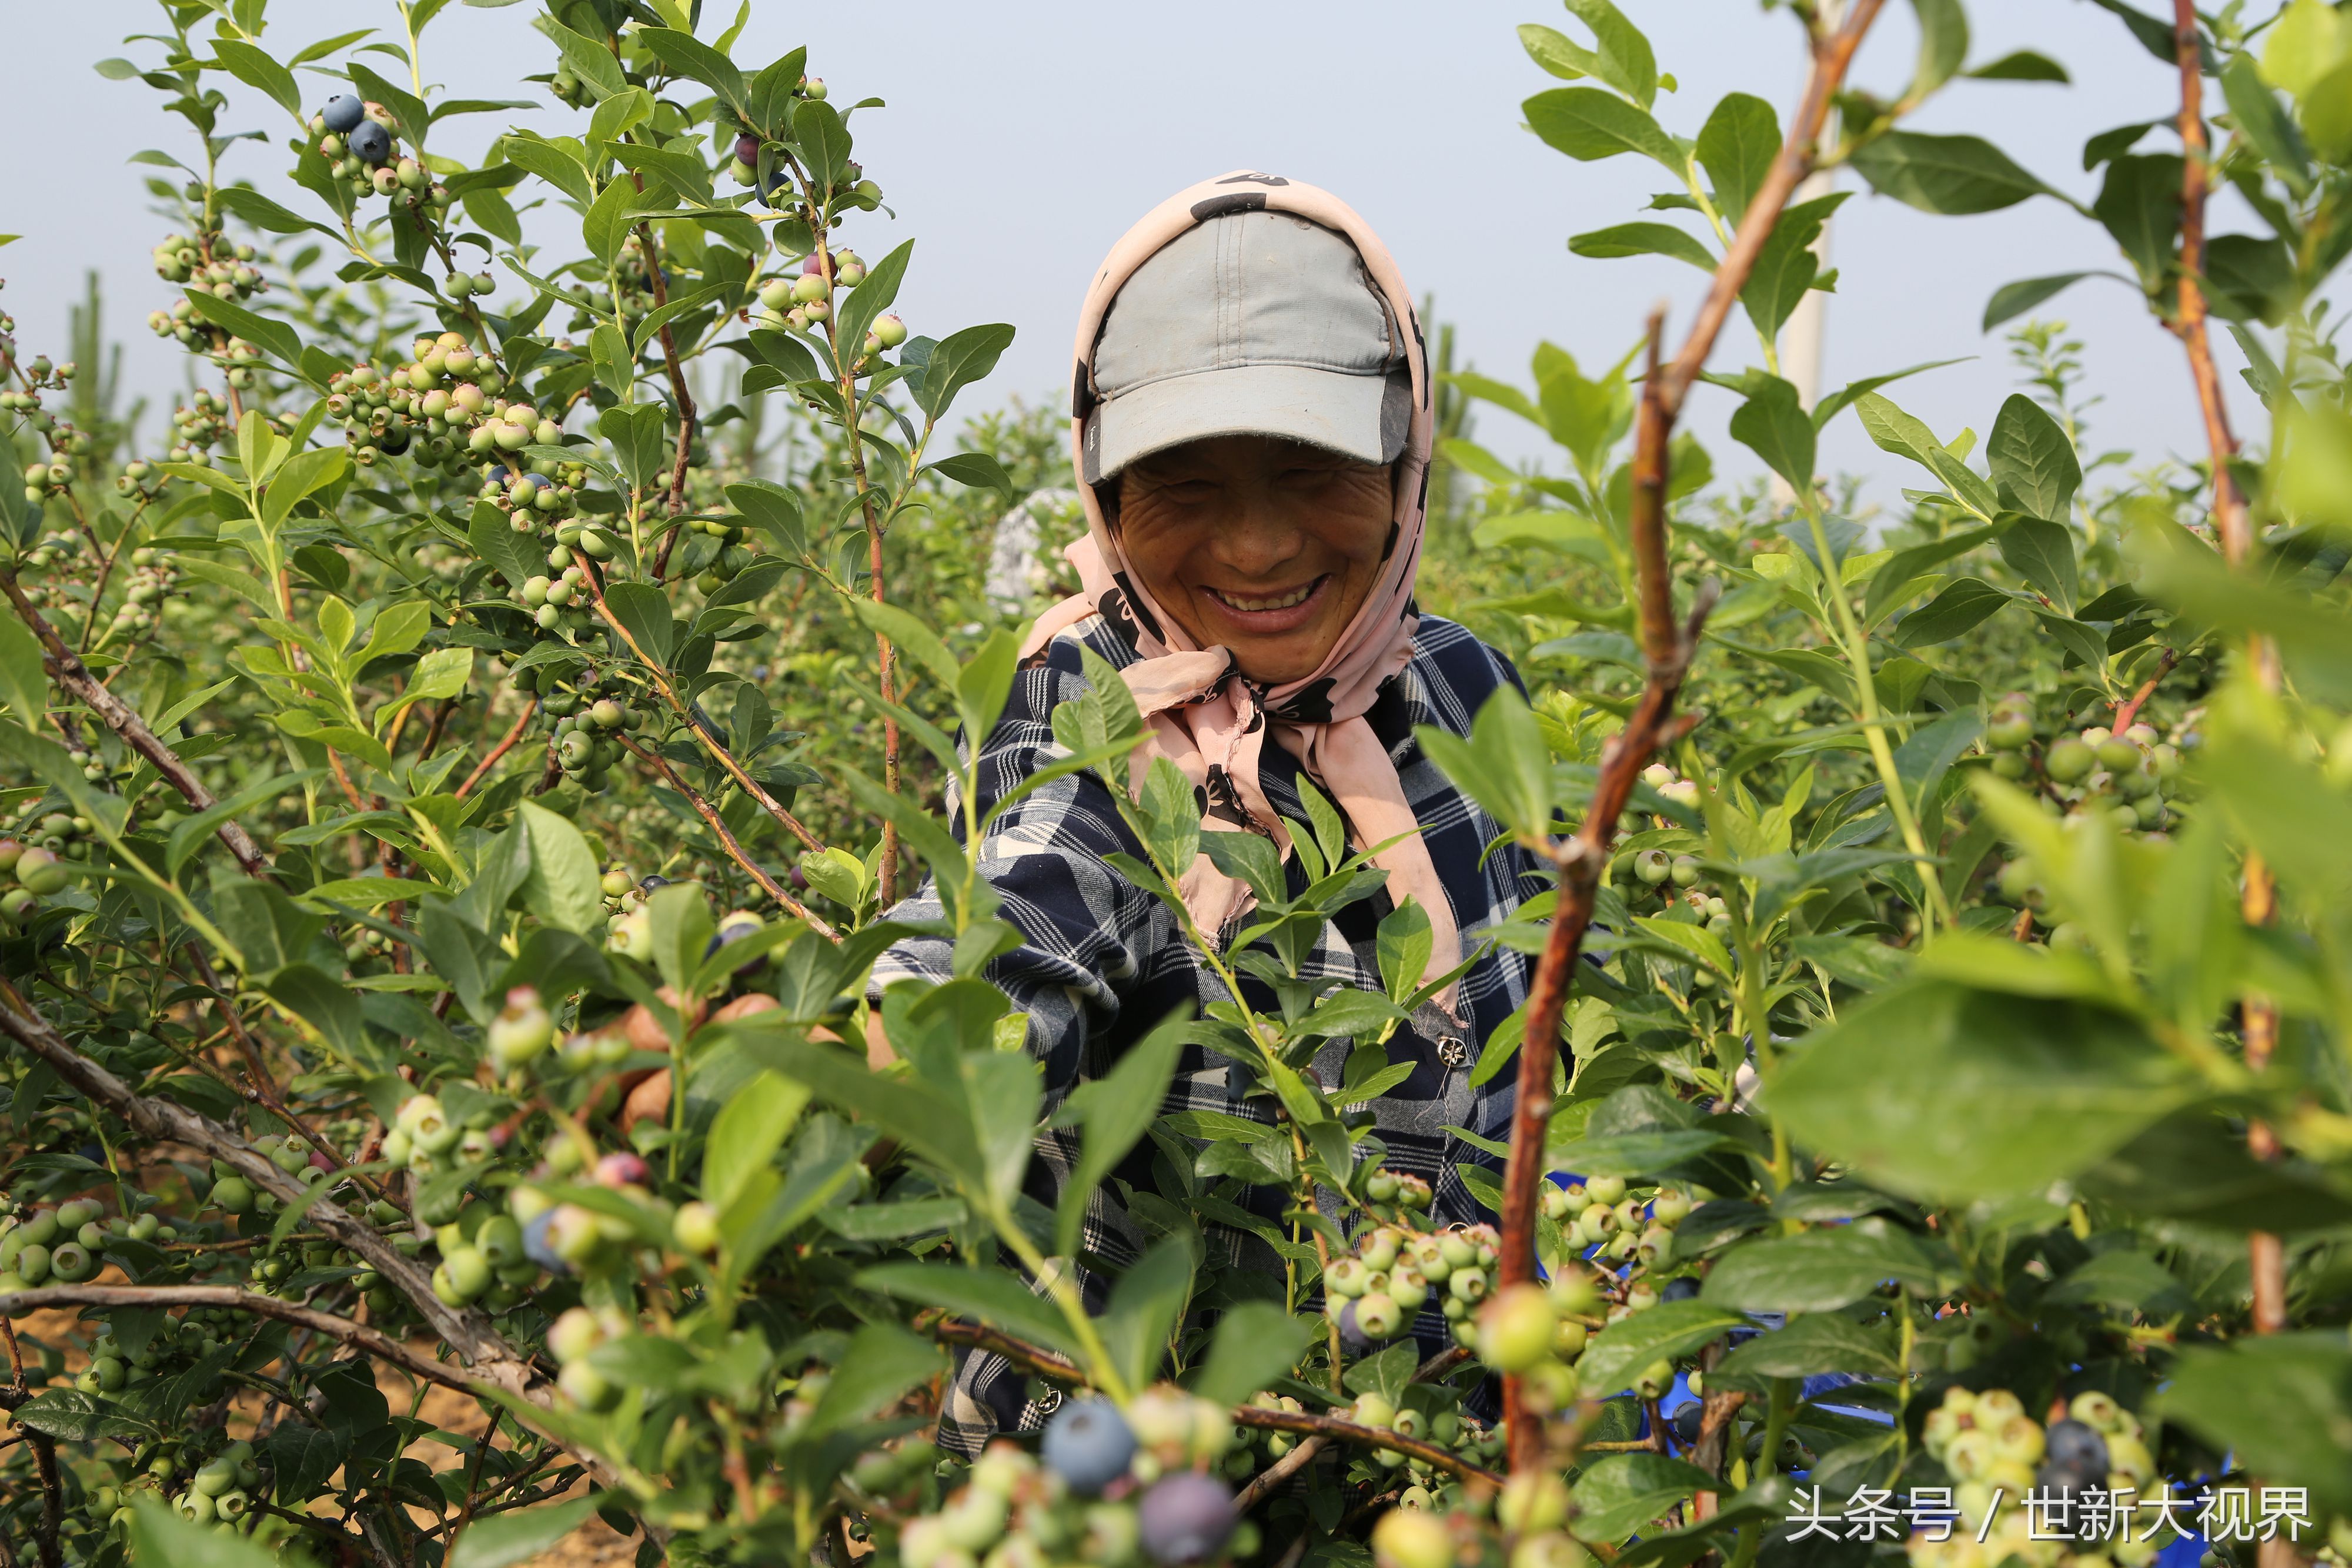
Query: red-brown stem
x,y
735,850
1257,1415
845,362
499,750
694,722
66,668
2128,710
373,1342
1666,649
2266,1258
686,415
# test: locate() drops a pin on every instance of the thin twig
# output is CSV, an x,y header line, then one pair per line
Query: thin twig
x,y
2267,1257
1262,1485
1668,649
530,710
694,721
360,1336
2128,710
734,847
685,413
1368,1437
65,667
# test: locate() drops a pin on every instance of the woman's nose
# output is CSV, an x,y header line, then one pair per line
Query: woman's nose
x,y
1258,536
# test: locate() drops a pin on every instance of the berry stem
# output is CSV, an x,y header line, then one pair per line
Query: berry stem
x,y
1668,649
2266,1258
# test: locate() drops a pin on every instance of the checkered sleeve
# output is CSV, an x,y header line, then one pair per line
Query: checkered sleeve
x,y
1088,934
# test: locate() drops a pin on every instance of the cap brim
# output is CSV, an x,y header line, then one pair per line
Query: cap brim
x,y
1329,409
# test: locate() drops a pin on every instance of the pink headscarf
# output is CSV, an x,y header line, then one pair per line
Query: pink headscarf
x,y
1201,713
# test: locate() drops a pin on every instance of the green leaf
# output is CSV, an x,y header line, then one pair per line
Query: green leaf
x,y
1590,123
1817,1270
1553,50
824,139
1505,764
644,611
747,1132
1735,147
2264,123
1942,45
1618,1494
1816,1343
325,1004
2020,65
984,1295
773,510
491,533
875,293
1620,1352
605,225
590,60
2043,554
1774,426
252,64
1643,239
2139,205
517,1536
689,56
1936,1090
2280,1404
1894,580
1955,175
2016,299
1257,1344
912,1112
1964,604
959,359
160,1535
1146,1306
1623,57
882,1362
24,678
1115,1111
274,338
188,835
562,887
2034,469
1907,436
977,469
1788,265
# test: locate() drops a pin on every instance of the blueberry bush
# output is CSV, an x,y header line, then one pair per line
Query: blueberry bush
x,y
457,782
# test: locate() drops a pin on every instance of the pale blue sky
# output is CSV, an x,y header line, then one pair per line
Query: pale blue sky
x,y
1022,137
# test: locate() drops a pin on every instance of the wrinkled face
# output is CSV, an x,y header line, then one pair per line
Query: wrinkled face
x,y
1264,546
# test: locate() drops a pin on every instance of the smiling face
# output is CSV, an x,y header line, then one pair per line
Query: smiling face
x,y
1264,546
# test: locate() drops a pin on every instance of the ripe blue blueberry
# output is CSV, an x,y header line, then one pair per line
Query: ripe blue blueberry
x,y
342,112
2075,1458
539,1246
1186,1518
370,142
1088,1445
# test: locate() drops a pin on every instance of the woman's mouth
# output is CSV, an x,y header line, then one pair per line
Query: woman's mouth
x,y
1270,613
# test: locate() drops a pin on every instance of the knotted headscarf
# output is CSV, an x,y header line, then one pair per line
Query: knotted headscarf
x,y
1201,712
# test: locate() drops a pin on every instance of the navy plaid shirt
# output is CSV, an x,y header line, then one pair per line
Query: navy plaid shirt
x,y
1102,962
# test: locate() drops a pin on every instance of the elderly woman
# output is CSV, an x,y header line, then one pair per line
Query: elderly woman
x,y
1253,424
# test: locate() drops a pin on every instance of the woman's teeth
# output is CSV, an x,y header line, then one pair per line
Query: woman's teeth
x,y
1272,601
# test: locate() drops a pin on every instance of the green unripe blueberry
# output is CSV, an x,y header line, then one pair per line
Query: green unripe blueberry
x,y
1515,1328
2069,759
1654,866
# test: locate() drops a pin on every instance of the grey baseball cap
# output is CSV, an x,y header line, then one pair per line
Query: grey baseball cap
x,y
1254,323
